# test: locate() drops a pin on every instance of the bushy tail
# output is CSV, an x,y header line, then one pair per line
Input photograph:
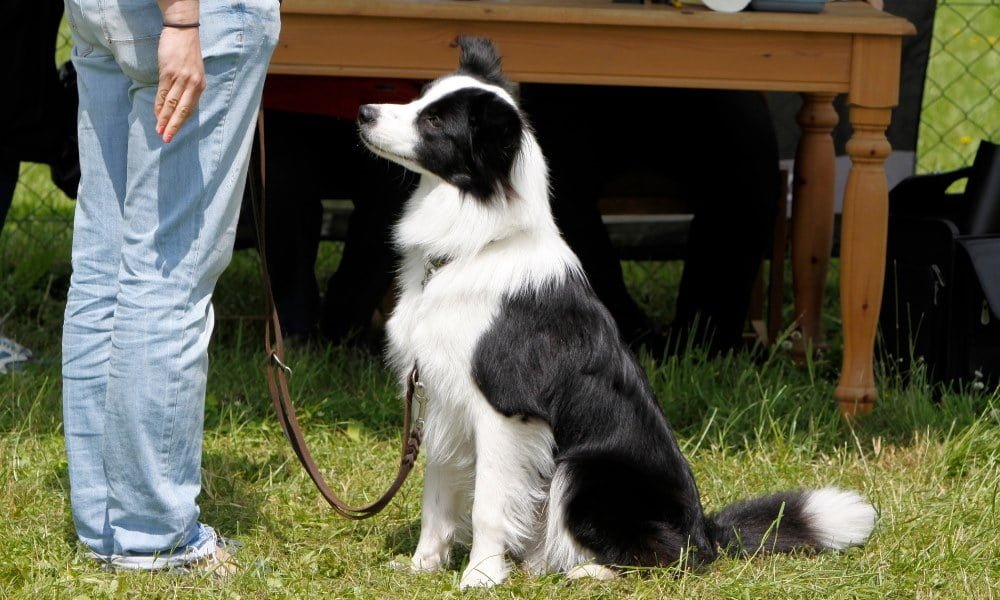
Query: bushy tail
x,y
825,519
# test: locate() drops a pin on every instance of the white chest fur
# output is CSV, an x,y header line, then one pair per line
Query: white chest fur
x,y
439,321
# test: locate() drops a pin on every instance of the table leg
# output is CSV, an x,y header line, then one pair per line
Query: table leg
x,y
862,256
812,217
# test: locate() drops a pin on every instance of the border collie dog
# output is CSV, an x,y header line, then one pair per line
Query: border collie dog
x,y
543,438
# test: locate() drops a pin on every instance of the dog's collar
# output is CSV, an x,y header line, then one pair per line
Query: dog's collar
x,y
431,266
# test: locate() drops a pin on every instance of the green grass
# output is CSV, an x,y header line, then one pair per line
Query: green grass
x,y
748,426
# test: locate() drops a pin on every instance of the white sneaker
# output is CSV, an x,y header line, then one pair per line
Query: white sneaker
x,y
12,355
212,556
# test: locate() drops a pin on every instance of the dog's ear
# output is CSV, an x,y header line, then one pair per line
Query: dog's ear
x,y
496,129
479,58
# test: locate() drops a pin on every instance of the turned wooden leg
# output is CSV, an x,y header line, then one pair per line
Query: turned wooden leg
x,y
812,217
862,256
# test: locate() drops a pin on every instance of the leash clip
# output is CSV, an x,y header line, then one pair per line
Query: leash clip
x,y
420,395
277,361
431,266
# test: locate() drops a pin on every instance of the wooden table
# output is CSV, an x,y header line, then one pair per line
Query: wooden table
x,y
849,48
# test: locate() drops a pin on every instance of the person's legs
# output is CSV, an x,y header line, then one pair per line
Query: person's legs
x,y
310,157
12,354
379,190
9,168
90,303
297,161
732,172
154,230
714,149
586,146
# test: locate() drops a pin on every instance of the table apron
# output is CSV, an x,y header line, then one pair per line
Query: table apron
x,y
570,53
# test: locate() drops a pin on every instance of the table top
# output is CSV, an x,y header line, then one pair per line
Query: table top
x,y
853,16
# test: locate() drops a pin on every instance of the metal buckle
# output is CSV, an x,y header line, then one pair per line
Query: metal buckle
x,y
431,266
420,395
429,271
277,361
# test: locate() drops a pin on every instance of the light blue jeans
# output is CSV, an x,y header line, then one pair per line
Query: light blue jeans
x,y
153,230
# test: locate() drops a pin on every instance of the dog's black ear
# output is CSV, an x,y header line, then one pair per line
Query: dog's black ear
x,y
496,130
480,59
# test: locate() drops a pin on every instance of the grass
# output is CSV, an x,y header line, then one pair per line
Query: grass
x,y
748,426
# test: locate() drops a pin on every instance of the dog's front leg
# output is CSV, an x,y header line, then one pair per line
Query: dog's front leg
x,y
441,505
503,509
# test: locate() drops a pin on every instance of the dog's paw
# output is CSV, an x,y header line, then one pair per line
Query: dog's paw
x,y
592,571
424,562
486,573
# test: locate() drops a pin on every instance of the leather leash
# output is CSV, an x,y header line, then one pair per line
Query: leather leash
x,y
278,372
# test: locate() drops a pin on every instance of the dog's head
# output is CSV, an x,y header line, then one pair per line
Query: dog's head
x,y
465,128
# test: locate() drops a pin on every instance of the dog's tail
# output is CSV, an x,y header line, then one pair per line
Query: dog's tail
x,y
825,519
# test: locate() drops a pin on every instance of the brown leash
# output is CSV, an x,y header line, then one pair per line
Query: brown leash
x,y
278,372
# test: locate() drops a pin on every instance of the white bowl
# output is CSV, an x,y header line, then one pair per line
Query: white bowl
x,y
729,6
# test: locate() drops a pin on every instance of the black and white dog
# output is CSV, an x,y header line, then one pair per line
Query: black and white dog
x,y
540,423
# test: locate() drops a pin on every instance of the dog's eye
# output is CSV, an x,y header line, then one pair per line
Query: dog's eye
x,y
433,120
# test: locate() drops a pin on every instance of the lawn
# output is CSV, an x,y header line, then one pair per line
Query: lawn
x,y
930,462
749,425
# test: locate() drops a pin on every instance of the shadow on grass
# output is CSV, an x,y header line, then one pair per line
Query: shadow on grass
x,y
401,542
231,497
232,491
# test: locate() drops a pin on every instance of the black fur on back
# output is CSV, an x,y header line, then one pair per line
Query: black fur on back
x,y
556,355
479,58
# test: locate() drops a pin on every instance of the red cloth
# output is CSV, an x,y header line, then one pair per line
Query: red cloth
x,y
335,96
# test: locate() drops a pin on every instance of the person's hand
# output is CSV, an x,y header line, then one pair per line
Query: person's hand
x,y
182,79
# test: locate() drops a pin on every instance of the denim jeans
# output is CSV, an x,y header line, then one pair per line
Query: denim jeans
x,y
153,230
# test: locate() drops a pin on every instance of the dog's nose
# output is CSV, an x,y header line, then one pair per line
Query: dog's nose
x,y
367,114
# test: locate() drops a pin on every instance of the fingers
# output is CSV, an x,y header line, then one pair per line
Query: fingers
x,y
182,79
175,102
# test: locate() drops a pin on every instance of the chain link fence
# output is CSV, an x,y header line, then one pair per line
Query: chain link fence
x,y
961,103
961,106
